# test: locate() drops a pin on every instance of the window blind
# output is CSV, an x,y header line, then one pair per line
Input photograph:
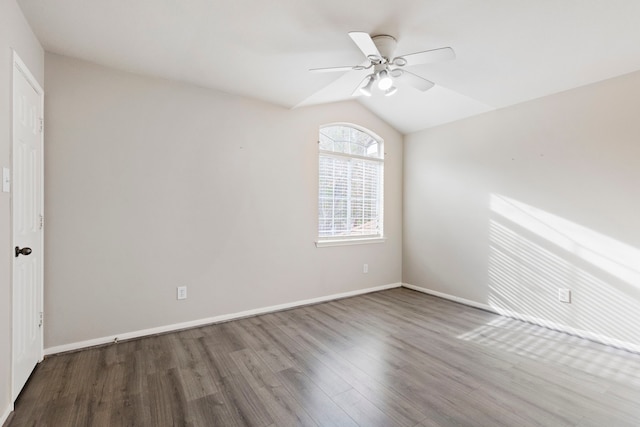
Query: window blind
x,y
350,184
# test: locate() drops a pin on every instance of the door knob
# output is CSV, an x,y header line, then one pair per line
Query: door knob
x,y
23,251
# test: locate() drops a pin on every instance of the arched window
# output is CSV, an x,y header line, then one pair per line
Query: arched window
x,y
351,169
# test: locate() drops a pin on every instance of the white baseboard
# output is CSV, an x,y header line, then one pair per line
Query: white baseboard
x,y
5,414
603,339
210,320
592,336
450,297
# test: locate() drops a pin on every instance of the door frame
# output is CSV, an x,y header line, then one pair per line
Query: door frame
x,y
20,67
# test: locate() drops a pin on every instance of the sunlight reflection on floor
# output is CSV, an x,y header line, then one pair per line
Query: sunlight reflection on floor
x,y
556,348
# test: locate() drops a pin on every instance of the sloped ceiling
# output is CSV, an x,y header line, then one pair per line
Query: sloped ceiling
x,y
507,51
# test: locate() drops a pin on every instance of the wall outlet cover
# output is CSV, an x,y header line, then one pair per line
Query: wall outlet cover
x,y
564,295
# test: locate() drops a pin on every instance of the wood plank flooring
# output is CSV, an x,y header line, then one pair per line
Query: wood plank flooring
x,y
391,358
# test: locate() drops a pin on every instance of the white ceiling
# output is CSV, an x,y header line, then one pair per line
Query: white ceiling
x,y
508,51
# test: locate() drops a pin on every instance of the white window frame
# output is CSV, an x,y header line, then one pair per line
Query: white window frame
x,y
354,240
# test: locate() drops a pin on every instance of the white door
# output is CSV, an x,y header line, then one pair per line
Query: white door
x,y
27,198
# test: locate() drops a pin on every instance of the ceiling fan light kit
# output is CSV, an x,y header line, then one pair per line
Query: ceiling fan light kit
x,y
384,80
389,72
390,91
366,89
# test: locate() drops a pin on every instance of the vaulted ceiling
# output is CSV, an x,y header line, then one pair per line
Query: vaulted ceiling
x,y
507,51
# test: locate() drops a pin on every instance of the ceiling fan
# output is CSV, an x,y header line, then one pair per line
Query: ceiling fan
x,y
386,69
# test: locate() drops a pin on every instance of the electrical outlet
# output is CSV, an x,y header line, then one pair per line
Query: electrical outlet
x,y
365,268
564,295
182,292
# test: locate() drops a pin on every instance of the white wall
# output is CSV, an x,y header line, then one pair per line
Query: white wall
x,y
16,34
151,184
505,208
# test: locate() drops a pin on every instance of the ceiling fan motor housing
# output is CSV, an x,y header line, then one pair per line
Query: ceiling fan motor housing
x,y
386,45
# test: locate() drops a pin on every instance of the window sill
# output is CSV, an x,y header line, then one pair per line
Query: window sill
x,y
347,242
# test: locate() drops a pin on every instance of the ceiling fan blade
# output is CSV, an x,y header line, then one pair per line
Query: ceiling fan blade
x,y
414,80
426,57
365,44
335,69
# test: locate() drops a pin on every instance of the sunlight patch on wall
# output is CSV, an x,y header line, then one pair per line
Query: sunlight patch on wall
x,y
533,254
611,255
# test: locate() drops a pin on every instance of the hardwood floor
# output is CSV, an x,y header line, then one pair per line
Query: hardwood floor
x,y
392,358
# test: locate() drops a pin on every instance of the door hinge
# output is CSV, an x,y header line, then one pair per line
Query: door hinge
x,y
40,319
41,124
41,221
